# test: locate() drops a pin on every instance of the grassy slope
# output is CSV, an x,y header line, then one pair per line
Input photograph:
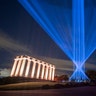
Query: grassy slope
x,y
26,85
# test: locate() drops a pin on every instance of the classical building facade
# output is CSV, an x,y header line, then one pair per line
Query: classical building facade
x,y
25,66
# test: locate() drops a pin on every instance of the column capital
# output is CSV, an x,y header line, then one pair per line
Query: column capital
x,y
43,63
50,65
24,58
16,59
34,60
47,65
28,58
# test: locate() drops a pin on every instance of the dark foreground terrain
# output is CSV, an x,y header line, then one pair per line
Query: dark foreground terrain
x,y
76,91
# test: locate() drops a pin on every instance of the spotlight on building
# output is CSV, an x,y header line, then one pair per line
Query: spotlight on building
x,y
26,66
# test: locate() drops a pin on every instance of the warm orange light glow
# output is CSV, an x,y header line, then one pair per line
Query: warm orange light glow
x,y
18,66
22,67
46,72
42,74
27,69
53,73
33,70
38,70
14,67
50,72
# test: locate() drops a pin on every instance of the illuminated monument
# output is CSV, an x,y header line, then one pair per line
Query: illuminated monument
x,y
25,66
66,22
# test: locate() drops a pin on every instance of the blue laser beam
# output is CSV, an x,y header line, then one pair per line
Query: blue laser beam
x,y
79,75
79,39
90,31
51,23
68,28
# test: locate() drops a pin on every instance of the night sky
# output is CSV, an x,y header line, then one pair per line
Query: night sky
x,y
20,34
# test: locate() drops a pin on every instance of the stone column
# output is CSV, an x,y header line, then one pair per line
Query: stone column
x,y
50,72
22,67
53,73
42,74
33,68
46,72
27,69
14,67
18,66
38,70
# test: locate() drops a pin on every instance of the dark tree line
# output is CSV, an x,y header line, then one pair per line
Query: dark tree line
x,y
91,74
61,78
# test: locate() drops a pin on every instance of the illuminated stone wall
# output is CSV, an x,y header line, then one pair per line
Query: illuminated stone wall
x,y
25,66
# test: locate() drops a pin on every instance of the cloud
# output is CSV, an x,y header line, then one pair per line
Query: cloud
x,y
5,72
65,69
90,66
63,66
8,43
